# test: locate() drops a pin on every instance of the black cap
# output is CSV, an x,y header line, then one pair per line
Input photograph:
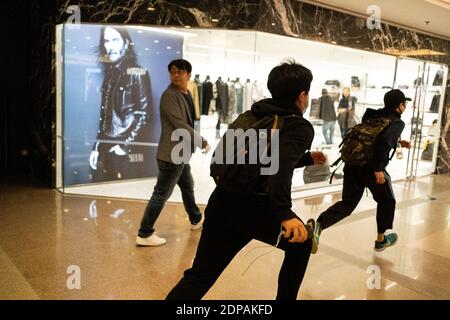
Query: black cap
x,y
394,97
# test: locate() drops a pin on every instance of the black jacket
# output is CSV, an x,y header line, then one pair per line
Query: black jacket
x,y
387,139
296,137
126,102
326,111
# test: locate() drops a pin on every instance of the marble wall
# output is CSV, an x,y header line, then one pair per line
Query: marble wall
x,y
285,17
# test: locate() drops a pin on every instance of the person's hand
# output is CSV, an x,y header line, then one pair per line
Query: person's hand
x,y
205,146
93,158
405,144
379,177
318,157
296,229
117,150
206,149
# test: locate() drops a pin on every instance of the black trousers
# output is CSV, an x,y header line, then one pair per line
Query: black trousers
x,y
356,179
230,223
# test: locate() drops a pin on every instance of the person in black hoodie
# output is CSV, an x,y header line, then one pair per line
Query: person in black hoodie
x,y
328,115
232,220
373,176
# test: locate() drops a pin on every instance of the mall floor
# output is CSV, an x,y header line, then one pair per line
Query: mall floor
x,y
46,236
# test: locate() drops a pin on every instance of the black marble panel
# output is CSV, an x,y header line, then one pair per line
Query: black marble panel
x,y
286,17
311,22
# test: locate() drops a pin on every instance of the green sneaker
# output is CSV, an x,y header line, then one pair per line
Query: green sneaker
x,y
316,230
389,240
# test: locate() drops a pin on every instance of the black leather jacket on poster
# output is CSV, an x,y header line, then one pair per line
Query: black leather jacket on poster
x,y
126,103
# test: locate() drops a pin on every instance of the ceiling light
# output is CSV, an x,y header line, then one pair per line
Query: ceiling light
x,y
151,8
418,52
441,3
215,20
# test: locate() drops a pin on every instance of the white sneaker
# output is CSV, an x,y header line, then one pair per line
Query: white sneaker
x,y
199,224
153,240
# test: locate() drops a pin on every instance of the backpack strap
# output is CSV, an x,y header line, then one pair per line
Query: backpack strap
x,y
336,162
275,123
274,127
393,152
339,160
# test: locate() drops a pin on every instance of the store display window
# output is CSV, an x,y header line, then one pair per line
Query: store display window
x,y
230,69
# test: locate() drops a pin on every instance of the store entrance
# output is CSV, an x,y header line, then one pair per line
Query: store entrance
x,y
423,83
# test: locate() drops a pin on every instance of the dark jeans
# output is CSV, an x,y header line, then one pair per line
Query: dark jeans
x,y
169,175
356,179
231,221
343,131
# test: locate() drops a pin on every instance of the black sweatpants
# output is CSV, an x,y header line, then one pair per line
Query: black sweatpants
x,y
230,223
356,179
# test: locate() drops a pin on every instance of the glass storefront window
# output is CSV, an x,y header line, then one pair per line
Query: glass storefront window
x,y
240,62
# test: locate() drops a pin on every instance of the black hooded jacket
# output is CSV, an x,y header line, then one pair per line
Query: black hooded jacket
x,y
296,136
387,139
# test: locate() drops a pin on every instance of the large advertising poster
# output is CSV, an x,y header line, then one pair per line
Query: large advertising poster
x,y
113,78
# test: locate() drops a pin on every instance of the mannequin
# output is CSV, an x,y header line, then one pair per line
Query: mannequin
x,y
239,96
221,103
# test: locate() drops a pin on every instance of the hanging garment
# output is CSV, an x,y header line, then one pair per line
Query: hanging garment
x,y
231,110
435,103
192,87
200,92
247,96
222,100
207,95
257,92
239,97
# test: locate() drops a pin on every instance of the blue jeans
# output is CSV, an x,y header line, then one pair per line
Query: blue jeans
x,y
328,131
169,175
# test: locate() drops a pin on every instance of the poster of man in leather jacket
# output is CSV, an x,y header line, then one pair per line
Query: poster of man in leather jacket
x,y
113,79
125,106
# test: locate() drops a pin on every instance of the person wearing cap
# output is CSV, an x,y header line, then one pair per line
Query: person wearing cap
x,y
373,176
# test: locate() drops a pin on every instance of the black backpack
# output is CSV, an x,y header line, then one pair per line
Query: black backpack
x,y
234,171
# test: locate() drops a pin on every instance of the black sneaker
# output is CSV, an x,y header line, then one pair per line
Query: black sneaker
x,y
315,234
